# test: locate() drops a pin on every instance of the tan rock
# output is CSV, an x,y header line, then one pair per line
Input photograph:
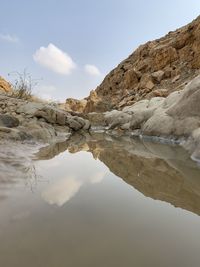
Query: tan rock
x,y
146,82
5,86
163,55
158,75
161,92
72,104
130,78
150,85
176,78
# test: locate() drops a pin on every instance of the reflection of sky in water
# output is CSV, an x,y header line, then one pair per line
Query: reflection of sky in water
x,y
104,222
66,178
61,191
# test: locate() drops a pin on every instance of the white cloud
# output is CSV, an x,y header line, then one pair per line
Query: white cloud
x,y
97,177
54,59
92,70
61,191
9,38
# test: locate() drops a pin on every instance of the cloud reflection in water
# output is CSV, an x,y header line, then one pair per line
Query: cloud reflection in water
x,y
64,189
61,191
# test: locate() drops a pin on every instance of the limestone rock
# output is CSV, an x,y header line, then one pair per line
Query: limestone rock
x,y
159,125
188,104
178,115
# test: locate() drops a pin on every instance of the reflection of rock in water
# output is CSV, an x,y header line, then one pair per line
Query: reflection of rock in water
x,y
54,149
158,171
16,164
166,174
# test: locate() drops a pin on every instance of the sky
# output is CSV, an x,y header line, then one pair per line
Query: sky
x,y
68,46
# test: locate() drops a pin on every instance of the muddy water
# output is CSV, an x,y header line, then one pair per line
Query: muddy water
x,y
101,202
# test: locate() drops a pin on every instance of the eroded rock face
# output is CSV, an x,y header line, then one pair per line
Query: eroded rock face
x,y
165,64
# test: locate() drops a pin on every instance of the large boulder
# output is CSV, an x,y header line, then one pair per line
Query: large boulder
x,y
189,103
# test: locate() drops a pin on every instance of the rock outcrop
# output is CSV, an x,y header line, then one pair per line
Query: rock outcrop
x,y
156,68
5,86
72,104
24,120
176,115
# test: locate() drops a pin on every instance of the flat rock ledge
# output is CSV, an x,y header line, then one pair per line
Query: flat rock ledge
x,y
177,117
22,120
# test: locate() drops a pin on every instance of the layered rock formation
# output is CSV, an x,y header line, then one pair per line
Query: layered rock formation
x,y
24,120
156,68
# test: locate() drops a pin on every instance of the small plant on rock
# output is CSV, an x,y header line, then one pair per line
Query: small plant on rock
x,y
23,85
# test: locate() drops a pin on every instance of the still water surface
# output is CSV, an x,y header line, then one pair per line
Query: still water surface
x,y
101,202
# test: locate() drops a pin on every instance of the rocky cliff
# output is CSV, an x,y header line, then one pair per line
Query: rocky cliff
x,y
156,68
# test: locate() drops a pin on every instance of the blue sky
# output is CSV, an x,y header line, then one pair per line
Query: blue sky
x,y
69,46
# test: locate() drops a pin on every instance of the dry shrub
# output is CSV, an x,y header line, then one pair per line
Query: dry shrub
x,y
23,85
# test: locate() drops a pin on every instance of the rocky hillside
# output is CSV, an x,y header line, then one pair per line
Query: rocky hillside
x,y
156,68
